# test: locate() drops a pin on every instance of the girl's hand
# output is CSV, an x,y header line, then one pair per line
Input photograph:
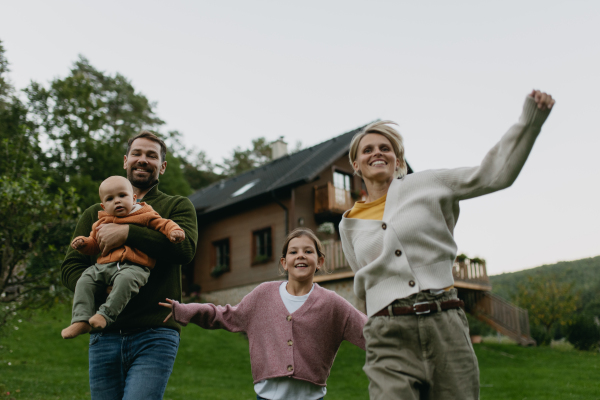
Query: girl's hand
x,y
169,305
543,100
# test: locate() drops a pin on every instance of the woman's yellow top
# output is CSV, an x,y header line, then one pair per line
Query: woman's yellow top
x,y
372,210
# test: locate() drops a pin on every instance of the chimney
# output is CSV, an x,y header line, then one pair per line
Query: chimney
x,y
278,148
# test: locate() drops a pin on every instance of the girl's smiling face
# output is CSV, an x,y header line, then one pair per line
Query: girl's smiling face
x,y
301,260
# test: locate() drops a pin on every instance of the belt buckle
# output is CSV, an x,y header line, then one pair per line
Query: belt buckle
x,y
418,304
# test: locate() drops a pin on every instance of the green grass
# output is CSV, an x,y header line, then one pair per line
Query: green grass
x,y
216,365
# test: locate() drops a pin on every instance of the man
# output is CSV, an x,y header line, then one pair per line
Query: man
x,y
133,357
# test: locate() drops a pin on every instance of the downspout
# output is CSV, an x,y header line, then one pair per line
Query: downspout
x,y
285,210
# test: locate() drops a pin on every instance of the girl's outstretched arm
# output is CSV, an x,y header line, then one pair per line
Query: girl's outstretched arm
x,y
210,316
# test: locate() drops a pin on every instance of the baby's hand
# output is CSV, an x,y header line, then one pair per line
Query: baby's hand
x,y
78,244
177,236
168,305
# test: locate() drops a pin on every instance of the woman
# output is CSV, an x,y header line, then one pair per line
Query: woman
x,y
402,249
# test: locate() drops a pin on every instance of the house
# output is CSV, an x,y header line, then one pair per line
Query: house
x,y
243,222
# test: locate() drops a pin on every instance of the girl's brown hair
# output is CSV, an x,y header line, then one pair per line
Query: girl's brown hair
x,y
298,232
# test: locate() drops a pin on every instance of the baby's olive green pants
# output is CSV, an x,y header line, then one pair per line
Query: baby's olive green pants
x,y
421,357
126,280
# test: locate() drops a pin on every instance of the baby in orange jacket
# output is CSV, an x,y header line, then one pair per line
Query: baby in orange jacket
x,y
125,268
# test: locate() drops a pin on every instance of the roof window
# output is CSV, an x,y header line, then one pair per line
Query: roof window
x,y
245,188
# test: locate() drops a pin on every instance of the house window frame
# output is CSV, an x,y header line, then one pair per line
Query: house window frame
x,y
254,254
214,261
342,172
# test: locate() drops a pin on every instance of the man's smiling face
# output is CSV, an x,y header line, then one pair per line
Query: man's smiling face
x,y
143,163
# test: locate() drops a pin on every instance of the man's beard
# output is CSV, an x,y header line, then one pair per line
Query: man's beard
x,y
141,183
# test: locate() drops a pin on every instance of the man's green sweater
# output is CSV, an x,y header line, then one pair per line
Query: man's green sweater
x,y
143,310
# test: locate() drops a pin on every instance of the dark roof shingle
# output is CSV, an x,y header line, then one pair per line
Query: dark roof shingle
x,y
289,170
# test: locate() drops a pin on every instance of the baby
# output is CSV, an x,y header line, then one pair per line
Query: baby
x,y
124,268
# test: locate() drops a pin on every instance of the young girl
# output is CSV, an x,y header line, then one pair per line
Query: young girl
x,y
294,327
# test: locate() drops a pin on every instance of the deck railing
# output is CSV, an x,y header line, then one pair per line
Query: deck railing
x,y
334,256
465,271
505,317
329,199
469,270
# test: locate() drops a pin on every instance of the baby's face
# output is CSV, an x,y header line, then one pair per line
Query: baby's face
x,y
117,197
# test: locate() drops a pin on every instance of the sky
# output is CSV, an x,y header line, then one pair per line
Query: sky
x,y
453,75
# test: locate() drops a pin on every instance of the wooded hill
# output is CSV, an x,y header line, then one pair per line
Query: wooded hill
x,y
584,274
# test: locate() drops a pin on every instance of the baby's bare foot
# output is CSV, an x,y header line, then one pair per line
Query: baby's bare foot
x,y
78,328
98,321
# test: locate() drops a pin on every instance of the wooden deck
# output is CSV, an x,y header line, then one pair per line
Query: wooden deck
x,y
474,288
332,200
467,274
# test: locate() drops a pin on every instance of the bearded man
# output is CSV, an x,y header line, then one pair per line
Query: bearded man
x,y
133,357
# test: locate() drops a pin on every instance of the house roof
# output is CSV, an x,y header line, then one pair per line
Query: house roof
x,y
289,170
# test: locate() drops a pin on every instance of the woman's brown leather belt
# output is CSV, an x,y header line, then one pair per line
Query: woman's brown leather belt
x,y
426,307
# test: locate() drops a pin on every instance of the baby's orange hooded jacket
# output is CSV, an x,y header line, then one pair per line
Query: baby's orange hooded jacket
x,y
145,216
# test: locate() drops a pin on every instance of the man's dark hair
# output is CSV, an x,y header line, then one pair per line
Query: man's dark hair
x,y
150,136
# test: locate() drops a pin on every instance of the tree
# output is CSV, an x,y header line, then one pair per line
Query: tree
x,y
87,118
35,225
550,301
32,224
245,160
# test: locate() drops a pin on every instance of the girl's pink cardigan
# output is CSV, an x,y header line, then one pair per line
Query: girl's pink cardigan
x,y
302,345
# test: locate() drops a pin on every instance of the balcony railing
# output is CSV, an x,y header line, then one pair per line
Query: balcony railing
x,y
467,271
470,271
329,199
503,316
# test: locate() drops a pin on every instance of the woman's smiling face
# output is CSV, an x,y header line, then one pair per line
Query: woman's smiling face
x,y
375,158
301,260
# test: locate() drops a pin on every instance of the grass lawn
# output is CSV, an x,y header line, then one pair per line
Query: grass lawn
x,y
35,363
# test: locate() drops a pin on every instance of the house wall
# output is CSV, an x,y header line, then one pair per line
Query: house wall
x,y
243,276
305,194
238,228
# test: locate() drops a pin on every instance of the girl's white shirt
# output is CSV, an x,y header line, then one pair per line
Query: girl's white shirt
x,y
286,388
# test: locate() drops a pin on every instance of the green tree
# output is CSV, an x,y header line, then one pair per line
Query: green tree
x,y
35,225
549,301
87,118
198,170
32,224
244,160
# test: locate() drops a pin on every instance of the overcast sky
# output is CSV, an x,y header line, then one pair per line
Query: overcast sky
x,y
452,74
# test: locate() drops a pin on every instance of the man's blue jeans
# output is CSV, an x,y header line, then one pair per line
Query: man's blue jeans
x,y
132,366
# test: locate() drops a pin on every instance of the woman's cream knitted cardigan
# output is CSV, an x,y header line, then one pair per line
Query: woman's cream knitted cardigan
x,y
413,248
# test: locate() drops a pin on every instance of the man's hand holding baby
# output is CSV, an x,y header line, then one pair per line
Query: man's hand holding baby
x,y
177,236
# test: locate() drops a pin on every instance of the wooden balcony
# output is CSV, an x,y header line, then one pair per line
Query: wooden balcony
x,y
467,274
332,200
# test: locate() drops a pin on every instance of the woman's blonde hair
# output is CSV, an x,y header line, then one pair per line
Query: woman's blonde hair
x,y
381,128
298,232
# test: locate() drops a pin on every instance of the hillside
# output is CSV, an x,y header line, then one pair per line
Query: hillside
x,y
584,273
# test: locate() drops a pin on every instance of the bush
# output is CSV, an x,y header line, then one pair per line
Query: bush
x,y
584,334
476,327
541,335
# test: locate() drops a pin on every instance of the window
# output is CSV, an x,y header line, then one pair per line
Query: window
x,y
221,257
341,183
263,248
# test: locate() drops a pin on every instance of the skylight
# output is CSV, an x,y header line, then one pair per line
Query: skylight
x,y
245,188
